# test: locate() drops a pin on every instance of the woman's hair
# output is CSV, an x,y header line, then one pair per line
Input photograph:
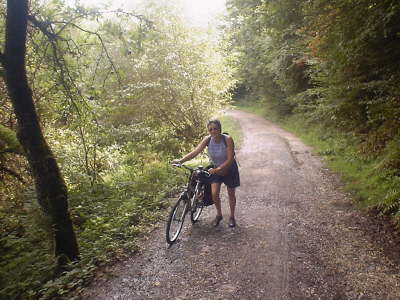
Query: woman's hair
x,y
216,122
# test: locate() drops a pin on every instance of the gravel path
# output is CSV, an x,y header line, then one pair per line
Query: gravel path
x,y
298,237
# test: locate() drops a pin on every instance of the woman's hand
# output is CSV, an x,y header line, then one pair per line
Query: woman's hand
x,y
216,171
212,171
176,161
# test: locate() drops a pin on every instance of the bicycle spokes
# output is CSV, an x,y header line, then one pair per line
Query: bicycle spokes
x,y
176,219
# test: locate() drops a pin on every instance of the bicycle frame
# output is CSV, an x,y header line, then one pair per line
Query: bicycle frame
x,y
192,199
197,175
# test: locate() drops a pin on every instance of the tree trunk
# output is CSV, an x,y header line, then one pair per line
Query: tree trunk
x,y
51,190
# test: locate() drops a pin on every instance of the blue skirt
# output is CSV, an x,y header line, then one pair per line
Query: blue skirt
x,y
231,180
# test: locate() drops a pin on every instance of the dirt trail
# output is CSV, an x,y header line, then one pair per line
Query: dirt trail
x,y
298,237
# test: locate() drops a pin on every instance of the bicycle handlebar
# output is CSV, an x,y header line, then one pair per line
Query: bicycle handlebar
x,y
193,169
184,166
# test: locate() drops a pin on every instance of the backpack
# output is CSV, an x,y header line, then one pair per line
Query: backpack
x,y
207,198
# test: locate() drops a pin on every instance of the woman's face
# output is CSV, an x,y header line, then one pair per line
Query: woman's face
x,y
213,129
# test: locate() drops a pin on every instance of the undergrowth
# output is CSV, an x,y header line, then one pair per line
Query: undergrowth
x,y
109,218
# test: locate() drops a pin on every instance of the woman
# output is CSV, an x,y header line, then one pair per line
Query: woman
x,y
225,170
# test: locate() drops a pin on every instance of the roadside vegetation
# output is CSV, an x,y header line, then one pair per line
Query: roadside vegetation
x,y
117,95
232,127
96,103
326,70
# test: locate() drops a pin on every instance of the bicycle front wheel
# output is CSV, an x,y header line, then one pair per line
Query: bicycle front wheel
x,y
176,219
197,203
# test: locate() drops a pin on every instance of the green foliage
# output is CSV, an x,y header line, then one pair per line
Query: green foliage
x,y
266,37
353,46
108,219
23,272
333,65
119,95
332,61
259,107
9,141
170,87
390,160
233,128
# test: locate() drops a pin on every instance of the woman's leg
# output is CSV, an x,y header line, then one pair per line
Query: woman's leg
x,y
232,201
215,191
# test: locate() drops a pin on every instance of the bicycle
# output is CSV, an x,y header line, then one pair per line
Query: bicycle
x,y
191,199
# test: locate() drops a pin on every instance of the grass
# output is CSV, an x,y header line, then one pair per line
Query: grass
x,y
372,186
257,108
232,127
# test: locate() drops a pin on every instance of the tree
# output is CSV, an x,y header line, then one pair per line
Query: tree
x,y
266,36
51,190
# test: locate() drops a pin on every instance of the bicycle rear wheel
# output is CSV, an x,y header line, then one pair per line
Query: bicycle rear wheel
x,y
197,203
176,219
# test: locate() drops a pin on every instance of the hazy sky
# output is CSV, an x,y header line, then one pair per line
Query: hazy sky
x,y
198,12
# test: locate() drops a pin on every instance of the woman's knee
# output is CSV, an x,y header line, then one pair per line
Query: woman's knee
x,y
215,190
231,192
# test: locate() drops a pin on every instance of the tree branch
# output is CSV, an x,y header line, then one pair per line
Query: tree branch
x,y
43,27
47,29
12,173
102,45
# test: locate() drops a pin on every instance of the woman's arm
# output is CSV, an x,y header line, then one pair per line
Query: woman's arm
x,y
200,147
